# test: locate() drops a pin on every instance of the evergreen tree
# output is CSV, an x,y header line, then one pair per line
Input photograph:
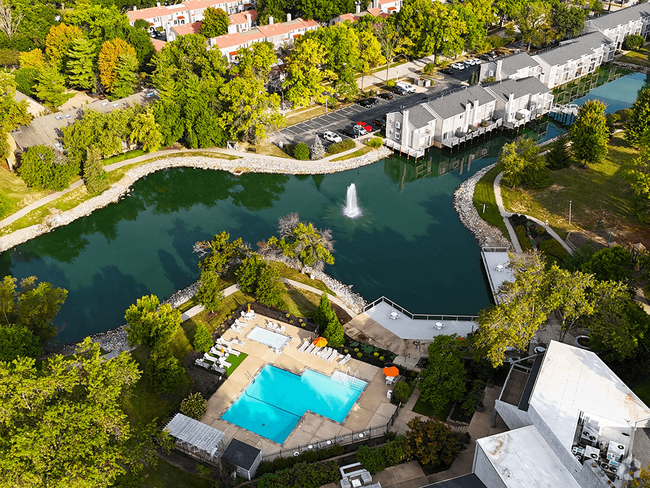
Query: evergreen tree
x,y
639,122
589,134
80,65
270,288
202,338
125,75
558,157
334,331
323,310
317,151
209,294
95,176
51,88
248,273
163,371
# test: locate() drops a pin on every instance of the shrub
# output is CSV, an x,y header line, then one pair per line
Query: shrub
x,y
375,142
202,338
44,169
633,42
338,147
302,475
433,443
26,80
469,405
559,157
301,151
95,175
9,57
520,230
429,69
270,288
539,230
489,79
194,406
306,457
390,83
402,391
163,371
553,248
377,459
317,151
376,354
359,355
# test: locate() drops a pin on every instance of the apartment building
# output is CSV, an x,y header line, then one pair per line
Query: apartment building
x,y
519,65
520,100
634,20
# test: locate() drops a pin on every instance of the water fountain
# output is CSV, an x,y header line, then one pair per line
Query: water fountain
x,y
351,208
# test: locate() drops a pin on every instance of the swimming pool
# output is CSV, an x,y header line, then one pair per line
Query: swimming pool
x,y
272,405
268,337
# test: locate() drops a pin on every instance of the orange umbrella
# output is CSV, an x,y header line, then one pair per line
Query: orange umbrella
x,y
320,342
391,371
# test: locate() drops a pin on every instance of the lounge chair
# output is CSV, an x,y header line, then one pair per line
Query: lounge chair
x,y
271,326
218,369
277,350
232,351
223,363
366,477
303,346
236,329
334,354
210,358
325,352
204,364
243,325
224,342
317,351
345,359
237,341
280,328
309,349
217,351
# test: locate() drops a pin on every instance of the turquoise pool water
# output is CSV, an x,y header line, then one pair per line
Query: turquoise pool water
x,y
273,404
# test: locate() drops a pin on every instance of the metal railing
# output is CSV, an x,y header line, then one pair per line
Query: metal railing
x,y
421,316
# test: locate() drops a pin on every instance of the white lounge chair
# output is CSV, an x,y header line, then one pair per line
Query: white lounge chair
x,y
236,329
325,352
277,350
309,349
204,364
224,342
237,341
345,359
223,363
218,369
210,358
280,328
271,326
216,350
243,325
232,351
317,351
334,354
303,346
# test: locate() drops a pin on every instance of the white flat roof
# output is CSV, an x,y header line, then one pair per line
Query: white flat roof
x,y
523,459
496,265
406,328
572,380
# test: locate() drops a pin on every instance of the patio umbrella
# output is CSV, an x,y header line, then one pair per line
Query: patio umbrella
x,y
320,342
391,371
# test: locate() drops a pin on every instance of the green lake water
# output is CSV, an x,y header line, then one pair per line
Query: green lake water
x,y
409,245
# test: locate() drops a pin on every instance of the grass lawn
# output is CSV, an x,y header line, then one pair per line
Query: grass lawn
x,y
235,361
123,157
639,57
484,195
270,149
14,193
295,275
166,475
599,192
358,152
440,413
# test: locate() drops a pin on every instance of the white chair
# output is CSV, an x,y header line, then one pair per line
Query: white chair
x,y
210,358
238,341
222,362
323,352
280,328
243,325
334,354
303,346
224,342
309,349
217,352
200,362
345,359
390,379
234,328
316,351
232,351
218,369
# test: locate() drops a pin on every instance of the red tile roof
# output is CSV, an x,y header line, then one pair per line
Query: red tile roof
x,y
184,29
287,27
240,18
237,39
148,13
158,44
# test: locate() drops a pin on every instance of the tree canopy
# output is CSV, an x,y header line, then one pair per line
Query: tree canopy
x,y
443,380
589,134
12,112
522,164
152,324
639,121
215,22
41,168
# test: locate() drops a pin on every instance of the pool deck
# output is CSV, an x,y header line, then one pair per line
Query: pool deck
x,y
372,408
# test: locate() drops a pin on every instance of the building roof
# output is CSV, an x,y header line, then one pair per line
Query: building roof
x,y
420,116
286,27
183,29
455,102
238,38
467,481
147,13
523,459
512,64
158,44
574,49
572,381
202,4
240,18
519,88
622,16
241,454
350,17
195,433
387,2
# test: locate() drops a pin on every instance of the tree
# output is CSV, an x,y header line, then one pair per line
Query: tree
x,y
323,311
304,242
80,65
433,443
633,42
370,54
392,42
270,288
64,422
317,151
301,151
152,324
558,156
248,273
567,21
163,371
534,22
484,11
33,59
523,164
341,44
44,169
639,121
51,88
10,19
125,75
32,307
219,254
215,22
168,121
145,131
209,293
17,341
305,77
202,338
475,35
270,8
57,43
443,380
109,60
12,112
589,134
95,176
334,331
614,264
194,406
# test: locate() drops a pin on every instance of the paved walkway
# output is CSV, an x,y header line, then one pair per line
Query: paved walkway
x,y
505,214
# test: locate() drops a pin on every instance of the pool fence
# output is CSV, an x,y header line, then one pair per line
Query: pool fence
x,y
420,316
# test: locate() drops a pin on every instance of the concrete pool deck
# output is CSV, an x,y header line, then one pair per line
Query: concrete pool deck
x,y
372,408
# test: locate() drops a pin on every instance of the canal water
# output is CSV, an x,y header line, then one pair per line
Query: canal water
x,y
409,244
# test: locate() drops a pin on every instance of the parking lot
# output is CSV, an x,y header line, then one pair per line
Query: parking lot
x,y
336,120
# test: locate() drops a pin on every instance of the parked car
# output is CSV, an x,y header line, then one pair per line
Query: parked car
x,y
350,132
368,102
468,63
406,86
365,125
447,71
360,130
458,66
386,95
379,123
485,57
398,90
330,136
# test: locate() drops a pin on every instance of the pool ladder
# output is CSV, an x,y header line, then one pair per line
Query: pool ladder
x,y
250,377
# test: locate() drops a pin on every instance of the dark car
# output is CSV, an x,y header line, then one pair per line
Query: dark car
x,y
399,90
379,123
447,71
368,102
348,131
386,96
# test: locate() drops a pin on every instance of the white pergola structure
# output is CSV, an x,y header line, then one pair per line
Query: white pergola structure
x,y
196,438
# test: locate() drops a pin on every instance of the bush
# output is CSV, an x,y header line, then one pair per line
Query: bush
x,y
489,79
163,371
429,69
270,288
9,57
95,175
202,338
301,151
558,156
306,457
377,459
553,248
402,391
496,42
194,406
302,475
375,142
633,42
390,83
26,79
520,230
338,147
359,354
43,169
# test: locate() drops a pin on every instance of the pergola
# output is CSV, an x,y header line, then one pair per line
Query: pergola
x,y
194,437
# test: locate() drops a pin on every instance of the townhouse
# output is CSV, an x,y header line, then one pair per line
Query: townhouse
x,y
519,101
240,22
634,20
519,65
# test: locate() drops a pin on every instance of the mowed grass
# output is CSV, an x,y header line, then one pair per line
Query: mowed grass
x,y
484,195
357,153
599,192
639,58
165,475
15,194
440,412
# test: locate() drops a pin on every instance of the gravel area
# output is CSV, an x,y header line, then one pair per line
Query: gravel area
x,y
485,234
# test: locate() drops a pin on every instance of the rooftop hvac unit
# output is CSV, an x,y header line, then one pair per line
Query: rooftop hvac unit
x,y
578,452
615,451
589,432
592,452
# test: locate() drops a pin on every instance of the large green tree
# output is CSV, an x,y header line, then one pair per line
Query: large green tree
x,y
151,323
270,288
126,79
342,55
62,424
51,88
433,443
534,22
443,380
44,169
589,134
12,112
145,131
306,73
522,164
80,65
219,254
95,176
639,121
567,21
209,293
215,22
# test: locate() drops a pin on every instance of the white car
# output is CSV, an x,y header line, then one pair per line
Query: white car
x,y
360,130
406,86
469,62
332,136
458,66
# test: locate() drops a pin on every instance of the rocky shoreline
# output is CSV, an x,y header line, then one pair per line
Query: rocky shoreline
x,y
242,165
485,234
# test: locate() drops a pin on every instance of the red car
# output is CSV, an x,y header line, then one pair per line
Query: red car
x,y
366,126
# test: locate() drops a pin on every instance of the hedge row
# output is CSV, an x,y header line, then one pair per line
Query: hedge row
x,y
306,457
553,248
520,230
338,147
302,476
377,459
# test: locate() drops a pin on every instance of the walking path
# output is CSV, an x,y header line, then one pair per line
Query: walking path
x,y
513,235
